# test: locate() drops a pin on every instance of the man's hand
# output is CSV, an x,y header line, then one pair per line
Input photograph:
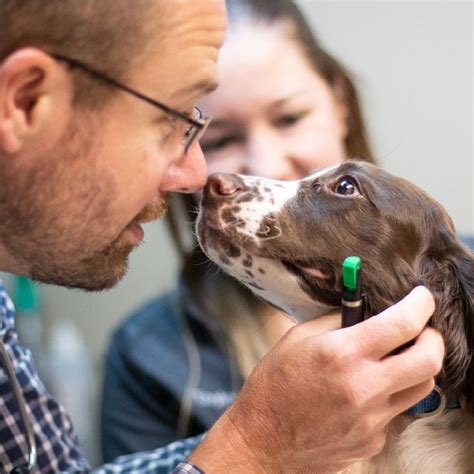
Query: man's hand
x,y
322,400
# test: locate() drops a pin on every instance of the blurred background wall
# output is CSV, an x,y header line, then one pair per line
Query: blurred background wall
x,y
413,62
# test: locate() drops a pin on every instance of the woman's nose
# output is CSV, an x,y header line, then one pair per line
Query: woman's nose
x,y
268,157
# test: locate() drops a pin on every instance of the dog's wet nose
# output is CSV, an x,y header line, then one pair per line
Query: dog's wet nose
x,y
223,184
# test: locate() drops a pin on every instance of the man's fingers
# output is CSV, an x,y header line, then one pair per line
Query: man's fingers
x,y
319,325
328,322
385,332
415,365
402,401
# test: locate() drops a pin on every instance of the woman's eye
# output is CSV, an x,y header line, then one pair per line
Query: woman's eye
x,y
288,120
217,144
346,187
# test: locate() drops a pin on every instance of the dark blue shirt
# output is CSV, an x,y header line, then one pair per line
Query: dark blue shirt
x,y
169,374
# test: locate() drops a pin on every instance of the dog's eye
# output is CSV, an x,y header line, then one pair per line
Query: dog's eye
x,y
346,187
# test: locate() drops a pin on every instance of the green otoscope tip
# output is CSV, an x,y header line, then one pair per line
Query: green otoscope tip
x,y
349,272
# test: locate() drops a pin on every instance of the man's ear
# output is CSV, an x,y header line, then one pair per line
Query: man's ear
x,y
35,91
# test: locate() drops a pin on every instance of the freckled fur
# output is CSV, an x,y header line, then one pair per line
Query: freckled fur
x,y
404,238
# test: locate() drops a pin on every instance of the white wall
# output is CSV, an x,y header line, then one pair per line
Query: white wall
x,y
414,63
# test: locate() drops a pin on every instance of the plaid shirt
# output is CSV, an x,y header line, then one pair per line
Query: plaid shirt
x,y
56,443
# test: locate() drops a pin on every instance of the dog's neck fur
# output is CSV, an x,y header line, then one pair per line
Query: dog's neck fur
x,y
441,444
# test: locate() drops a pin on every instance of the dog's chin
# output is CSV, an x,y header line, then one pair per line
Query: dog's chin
x,y
293,286
225,247
283,285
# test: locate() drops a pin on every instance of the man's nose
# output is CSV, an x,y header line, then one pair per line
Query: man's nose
x,y
188,174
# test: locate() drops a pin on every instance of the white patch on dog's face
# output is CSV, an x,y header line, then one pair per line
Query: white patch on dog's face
x,y
232,226
270,196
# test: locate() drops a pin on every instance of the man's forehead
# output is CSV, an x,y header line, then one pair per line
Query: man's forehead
x,y
183,60
181,20
194,78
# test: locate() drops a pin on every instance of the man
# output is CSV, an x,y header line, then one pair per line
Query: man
x,y
96,126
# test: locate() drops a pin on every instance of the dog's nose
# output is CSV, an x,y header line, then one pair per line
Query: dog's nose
x,y
223,184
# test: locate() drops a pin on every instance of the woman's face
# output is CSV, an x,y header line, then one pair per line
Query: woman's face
x,y
274,116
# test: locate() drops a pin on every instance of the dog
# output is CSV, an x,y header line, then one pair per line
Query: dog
x,y
286,241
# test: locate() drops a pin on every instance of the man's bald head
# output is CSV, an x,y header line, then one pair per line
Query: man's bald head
x,y
109,34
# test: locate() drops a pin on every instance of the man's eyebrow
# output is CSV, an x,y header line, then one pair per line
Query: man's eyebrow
x,y
204,86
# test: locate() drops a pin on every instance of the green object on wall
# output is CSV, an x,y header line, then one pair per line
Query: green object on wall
x,y
26,296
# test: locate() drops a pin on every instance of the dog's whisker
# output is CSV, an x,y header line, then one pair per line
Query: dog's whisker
x,y
213,276
272,237
194,247
204,262
264,234
231,223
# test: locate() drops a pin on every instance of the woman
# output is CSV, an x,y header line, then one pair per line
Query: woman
x,y
284,107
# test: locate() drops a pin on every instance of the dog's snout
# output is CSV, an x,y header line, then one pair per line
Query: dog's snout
x,y
223,184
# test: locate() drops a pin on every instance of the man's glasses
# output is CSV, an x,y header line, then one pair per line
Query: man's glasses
x,y
190,134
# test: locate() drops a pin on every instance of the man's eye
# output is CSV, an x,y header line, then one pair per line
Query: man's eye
x,y
287,120
188,131
346,187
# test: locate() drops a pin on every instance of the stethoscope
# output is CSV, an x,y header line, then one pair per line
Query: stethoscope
x,y
20,401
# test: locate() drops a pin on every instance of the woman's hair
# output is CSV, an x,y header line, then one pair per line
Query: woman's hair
x,y
235,308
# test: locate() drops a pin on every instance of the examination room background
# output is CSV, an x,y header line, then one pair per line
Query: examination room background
x,y
413,63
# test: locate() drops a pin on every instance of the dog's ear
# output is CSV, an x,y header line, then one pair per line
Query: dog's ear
x,y
447,269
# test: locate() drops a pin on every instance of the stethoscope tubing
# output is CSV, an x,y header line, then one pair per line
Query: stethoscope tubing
x,y
21,403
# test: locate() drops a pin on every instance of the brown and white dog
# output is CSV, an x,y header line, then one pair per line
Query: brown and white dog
x,y
287,240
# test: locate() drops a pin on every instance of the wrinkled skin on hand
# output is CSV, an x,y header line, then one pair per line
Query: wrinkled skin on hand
x,y
320,401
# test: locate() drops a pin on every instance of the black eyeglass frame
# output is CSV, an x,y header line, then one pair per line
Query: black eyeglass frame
x,y
199,125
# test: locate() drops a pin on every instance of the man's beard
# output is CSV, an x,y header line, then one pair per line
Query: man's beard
x,y
106,267
55,216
